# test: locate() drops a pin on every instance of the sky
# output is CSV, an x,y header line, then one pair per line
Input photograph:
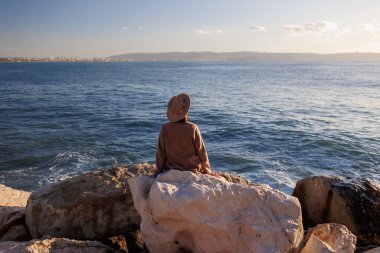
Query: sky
x,y
101,28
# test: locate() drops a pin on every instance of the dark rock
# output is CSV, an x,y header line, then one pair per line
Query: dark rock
x,y
128,243
12,224
18,233
353,203
10,216
116,242
135,242
365,249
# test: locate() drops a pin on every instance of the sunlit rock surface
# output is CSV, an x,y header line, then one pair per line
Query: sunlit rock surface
x,y
316,245
336,236
13,197
55,245
186,212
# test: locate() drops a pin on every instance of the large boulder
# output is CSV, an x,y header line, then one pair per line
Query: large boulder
x,y
55,245
335,236
95,205
12,214
186,212
353,203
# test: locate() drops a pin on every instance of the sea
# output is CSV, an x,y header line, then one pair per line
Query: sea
x,y
272,122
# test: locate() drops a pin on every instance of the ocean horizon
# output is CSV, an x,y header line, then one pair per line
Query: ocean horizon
x,y
271,122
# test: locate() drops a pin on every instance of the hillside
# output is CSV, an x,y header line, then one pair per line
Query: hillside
x,y
243,56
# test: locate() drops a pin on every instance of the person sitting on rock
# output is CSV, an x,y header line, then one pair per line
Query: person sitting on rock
x,y
180,144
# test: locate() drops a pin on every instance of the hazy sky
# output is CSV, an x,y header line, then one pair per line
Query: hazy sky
x,y
86,28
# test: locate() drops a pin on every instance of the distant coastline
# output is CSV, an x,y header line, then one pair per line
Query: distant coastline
x,y
209,57
243,56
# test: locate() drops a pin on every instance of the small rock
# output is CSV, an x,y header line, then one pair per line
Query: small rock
x,y
316,245
336,236
55,245
130,242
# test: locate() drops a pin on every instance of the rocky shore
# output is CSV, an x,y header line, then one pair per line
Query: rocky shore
x,y
128,209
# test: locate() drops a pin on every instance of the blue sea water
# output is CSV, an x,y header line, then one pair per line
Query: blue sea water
x,y
272,122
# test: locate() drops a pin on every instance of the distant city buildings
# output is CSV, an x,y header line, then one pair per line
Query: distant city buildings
x,y
54,59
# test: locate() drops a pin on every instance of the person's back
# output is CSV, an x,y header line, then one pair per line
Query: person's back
x,y
180,145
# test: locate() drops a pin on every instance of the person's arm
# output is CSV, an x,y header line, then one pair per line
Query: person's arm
x,y
161,151
201,151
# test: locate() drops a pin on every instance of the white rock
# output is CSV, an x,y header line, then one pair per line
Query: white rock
x,y
336,236
183,211
316,245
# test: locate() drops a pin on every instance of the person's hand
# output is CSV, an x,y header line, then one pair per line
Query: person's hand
x,y
206,171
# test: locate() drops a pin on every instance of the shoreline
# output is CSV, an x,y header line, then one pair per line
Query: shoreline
x,y
105,182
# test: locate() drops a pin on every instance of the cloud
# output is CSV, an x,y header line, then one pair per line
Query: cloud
x,y
319,28
141,28
124,28
10,48
342,30
209,32
371,27
257,28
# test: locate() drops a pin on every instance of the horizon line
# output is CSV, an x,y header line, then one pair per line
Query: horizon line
x,y
188,52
